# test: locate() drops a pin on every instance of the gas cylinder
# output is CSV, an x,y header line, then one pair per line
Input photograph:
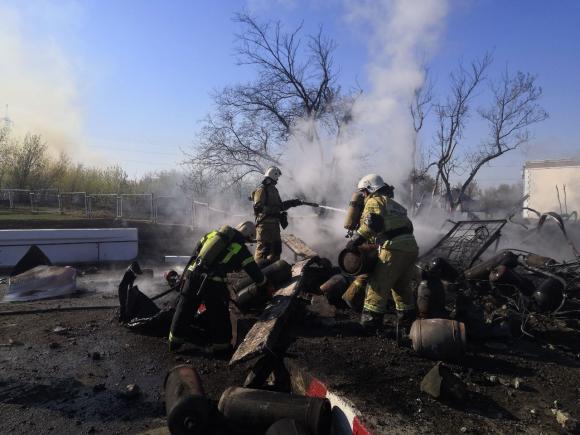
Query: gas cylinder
x,y
277,273
335,287
443,269
354,211
481,270
254,411
359,261
188,409
505,275
549,295
535,260
286,426
438,339
431,298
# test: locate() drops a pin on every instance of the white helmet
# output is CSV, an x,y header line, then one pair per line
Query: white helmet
x,y
248,230
371,182
273,172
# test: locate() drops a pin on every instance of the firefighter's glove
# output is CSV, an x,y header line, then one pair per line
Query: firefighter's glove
x,y
283,219
355,242
291,203
267,289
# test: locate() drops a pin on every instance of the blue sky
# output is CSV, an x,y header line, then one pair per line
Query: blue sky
x,y
140,72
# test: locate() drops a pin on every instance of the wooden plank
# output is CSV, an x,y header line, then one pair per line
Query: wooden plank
x,y
266,331
300,249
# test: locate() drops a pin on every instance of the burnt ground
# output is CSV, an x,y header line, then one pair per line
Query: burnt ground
x,y
383,380
73,380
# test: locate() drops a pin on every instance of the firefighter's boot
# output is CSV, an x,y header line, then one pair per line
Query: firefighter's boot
x,y
371,322
404,321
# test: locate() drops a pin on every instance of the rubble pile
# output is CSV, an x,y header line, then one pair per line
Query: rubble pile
x,y
303,356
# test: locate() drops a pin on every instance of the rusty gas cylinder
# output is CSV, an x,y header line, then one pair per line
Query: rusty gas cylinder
x,y
286,426
503,275
335,287
431,298
549,295
481,270
254,411
358,261
188,409
535,260
438,339
277,273
443,269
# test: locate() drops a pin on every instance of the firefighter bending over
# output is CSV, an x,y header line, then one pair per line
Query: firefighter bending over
x,y
204,281
270,213
385,223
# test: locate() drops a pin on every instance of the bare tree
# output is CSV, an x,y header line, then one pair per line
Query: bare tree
x,y
513,109
419,108
294,81
452,116
233,148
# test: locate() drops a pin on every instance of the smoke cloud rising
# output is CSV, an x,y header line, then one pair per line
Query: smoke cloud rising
x,y
403,36
37,82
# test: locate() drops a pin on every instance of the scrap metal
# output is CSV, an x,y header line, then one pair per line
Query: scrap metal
x,y
465,242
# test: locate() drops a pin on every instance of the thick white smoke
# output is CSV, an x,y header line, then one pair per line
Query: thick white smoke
x,y
37,84
402,36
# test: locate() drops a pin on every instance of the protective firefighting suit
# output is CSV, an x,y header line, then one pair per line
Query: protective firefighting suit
x,y
398,252
270,214
204,281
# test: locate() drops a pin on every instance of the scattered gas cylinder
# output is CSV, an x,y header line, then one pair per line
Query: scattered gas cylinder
x,y
359,261
443,269
431,298
277,273
503,275
482,270
188,409
549,295
254,411
286,426
438,339
335,287
535,260
250,298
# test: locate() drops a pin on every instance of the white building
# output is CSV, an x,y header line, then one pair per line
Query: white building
x,y
552,185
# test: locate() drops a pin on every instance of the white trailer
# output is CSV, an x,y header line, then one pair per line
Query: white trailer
x,y
68,246
552,185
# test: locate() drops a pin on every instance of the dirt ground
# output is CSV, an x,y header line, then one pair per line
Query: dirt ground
x,y
384,380
67,372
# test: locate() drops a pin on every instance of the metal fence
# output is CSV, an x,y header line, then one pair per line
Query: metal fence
x,y
163,209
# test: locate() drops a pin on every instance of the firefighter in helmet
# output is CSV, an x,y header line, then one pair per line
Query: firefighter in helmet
x,y
384,222
270,214
204,281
